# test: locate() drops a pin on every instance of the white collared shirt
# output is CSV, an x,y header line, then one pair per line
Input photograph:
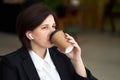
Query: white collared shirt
x,y
45,67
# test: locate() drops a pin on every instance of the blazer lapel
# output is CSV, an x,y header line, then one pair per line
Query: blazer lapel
x,y
58,61
29,66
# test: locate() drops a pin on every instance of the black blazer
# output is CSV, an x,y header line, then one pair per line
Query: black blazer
x,y
18,65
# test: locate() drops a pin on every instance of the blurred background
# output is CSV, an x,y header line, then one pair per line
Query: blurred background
x,y
95,24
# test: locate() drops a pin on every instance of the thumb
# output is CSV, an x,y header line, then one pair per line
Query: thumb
x,y
60,50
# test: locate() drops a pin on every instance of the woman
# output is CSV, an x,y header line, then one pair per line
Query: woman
x,y
39,59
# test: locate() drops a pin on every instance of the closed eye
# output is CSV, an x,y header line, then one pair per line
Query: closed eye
x,y
54,25
45,27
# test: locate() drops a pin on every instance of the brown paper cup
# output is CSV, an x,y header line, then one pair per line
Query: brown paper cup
x,y
58,38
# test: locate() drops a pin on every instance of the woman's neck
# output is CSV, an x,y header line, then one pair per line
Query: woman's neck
x,y
41,52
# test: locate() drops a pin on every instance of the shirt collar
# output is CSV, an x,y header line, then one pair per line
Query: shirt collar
x,y
48,59
38,61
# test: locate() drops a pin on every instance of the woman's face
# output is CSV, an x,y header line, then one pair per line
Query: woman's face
x,y
41,34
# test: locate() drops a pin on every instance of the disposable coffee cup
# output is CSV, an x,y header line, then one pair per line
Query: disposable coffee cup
x,y
58,38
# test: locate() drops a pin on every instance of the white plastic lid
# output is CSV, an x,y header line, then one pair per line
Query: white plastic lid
x,y
69,49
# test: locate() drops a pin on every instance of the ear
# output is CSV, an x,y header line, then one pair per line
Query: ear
x,y
29,35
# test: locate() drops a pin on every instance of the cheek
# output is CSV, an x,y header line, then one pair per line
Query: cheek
x,y
41,39
44,37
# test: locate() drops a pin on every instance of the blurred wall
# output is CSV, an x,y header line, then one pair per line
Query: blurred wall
x,y
89,14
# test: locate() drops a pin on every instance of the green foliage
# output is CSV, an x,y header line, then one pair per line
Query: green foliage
x,y
53,3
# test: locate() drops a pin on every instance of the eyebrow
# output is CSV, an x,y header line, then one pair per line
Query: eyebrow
x,y
48,24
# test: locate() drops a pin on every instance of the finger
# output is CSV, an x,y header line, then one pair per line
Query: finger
x,y
60,50
72,41
69,37
66,34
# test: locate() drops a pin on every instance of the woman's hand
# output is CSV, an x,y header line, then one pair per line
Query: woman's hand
x,y
75,56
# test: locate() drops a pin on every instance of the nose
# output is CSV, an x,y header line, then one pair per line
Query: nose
x,y
53,29
52,33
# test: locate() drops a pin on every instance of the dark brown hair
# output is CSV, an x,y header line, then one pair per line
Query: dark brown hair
x,y
29,19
